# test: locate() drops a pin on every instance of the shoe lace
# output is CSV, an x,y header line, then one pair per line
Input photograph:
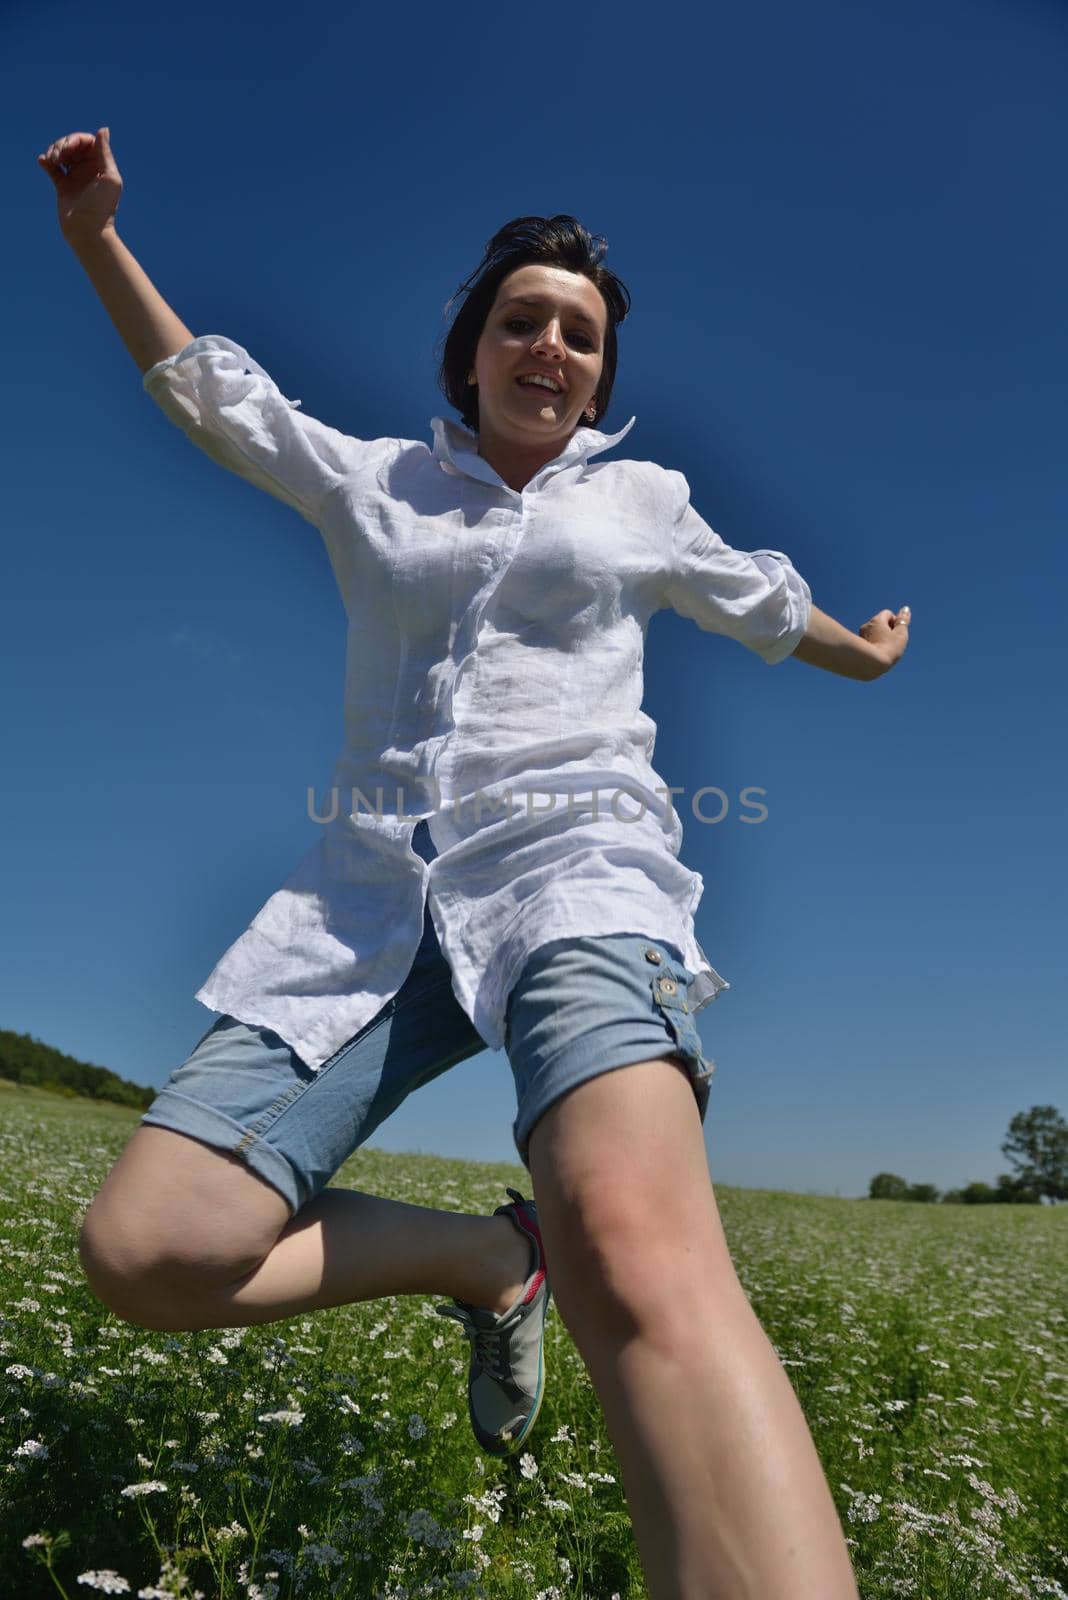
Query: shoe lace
x,y
488,1344
489,1351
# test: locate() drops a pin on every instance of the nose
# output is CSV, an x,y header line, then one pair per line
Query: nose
x,y
549,340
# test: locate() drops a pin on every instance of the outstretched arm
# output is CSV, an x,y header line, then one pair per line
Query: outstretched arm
x,y
866,654
88,187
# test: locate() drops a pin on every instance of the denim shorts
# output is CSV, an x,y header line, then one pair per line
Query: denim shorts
x,y
579,1008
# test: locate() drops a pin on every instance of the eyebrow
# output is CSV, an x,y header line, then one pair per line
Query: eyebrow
x,y
541,300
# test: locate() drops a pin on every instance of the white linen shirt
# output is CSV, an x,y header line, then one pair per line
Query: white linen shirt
x,y
494,662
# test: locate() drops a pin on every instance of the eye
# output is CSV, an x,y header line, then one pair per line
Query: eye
x,y
524,322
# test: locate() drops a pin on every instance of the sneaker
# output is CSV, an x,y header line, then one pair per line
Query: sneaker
x,y
506,1378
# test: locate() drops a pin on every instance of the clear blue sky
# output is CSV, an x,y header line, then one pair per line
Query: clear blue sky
x,y
844,233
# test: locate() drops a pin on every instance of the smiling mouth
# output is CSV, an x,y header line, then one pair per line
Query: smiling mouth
x,y
540,388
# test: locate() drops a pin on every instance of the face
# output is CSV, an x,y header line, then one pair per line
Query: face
x,y
548,321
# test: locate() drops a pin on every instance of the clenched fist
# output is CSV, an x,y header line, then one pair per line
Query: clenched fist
x,y
888,631
87,182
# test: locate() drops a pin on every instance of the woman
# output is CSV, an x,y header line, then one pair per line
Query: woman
x,y
501,869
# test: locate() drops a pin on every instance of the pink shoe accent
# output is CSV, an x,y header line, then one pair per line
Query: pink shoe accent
x,y
526,1223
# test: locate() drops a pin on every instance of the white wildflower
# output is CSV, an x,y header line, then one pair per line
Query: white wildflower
x,y
528,1466
108,1581
33,1447
865,1508
153,1486
233,1530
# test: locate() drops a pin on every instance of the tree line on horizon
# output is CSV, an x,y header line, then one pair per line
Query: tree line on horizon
x,y
26,1060
1037,1144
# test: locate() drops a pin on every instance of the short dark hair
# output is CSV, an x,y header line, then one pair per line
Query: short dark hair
x,y
559,241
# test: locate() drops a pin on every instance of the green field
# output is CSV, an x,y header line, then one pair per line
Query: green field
x,y
331,1454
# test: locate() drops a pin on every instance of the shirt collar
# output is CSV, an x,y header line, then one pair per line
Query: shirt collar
x,y
456,447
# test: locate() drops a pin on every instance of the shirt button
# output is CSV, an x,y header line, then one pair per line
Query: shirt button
x,y
653,956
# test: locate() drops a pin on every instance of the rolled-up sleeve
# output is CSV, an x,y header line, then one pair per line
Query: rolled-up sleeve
x,y
756,596
234,411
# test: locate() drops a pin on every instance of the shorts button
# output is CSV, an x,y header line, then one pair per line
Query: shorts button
x,y
653,956
668,986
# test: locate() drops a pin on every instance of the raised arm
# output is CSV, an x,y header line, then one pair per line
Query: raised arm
x,y
88,187
209,386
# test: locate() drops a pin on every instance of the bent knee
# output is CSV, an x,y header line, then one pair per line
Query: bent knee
x,y
155,1283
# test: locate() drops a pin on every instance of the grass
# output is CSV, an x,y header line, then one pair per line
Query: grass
x,y
331,1454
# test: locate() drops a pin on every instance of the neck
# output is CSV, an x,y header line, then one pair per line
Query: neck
x,y
516,463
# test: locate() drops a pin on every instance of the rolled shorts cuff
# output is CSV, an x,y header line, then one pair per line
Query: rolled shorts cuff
x,y
592,1005
562,1082
182,1114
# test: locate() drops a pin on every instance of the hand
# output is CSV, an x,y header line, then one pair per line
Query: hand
x,y
87,181
888,631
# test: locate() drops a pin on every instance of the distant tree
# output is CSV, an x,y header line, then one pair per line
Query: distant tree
x,y
1014,1192
887,1186
977,1194
1038,1145
926,1193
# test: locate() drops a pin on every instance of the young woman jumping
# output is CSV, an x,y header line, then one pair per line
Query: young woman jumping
x,y
498,866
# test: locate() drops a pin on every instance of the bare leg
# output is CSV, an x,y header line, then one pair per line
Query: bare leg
x,y
182,1236
345,1245
725,1488
724,1485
